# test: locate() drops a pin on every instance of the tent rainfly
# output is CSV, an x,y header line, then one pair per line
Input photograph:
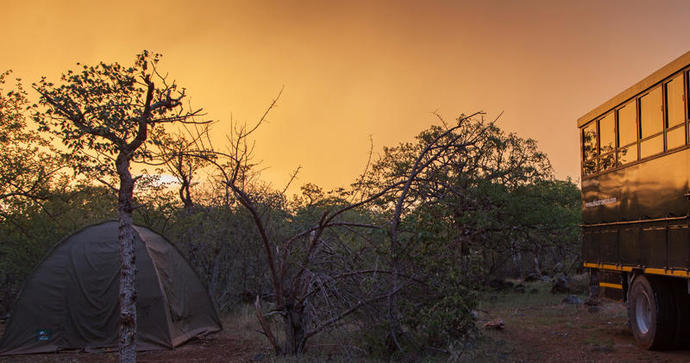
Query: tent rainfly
x,y
70,301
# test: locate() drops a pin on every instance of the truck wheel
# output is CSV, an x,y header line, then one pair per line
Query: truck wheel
x,y
651,312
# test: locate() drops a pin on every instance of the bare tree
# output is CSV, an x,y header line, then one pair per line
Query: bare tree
x,y
294,260
176,153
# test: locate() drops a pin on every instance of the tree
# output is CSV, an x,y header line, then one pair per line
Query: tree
x,y
108,116
466,177
544,217
313,281
26,163
449,208
179,162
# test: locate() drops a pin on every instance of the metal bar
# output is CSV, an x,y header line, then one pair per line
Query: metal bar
x,y
636,221
647,270
613,286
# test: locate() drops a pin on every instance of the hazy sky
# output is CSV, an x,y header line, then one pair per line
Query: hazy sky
x,y
355,69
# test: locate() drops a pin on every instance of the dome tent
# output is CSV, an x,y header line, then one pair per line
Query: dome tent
x,y
70,301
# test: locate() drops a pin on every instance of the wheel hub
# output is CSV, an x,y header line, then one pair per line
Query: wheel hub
x,y
643,312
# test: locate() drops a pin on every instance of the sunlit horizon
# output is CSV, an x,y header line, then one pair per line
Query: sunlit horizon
x,y
359,71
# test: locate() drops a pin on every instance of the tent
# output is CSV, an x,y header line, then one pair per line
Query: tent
x,y
70,301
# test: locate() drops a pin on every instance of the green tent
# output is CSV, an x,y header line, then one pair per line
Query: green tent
x,y
70,301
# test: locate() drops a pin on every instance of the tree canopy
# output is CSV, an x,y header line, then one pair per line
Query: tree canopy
x,y
26,163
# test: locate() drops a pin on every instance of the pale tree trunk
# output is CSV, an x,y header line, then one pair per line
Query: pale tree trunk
x,y
517,256
128,309
537,264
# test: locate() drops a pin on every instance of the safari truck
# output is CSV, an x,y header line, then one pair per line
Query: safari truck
x,y
635,160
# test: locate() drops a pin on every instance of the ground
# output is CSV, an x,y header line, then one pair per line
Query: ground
x,y
538,327
221,347
543,329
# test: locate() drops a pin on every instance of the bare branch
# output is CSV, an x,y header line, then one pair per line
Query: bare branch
x,y
110,186
266,327
292,178
349,311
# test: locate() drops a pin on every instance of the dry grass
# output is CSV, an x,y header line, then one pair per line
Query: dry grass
x,y
338,345
242,320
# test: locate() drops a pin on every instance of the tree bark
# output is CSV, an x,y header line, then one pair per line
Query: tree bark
x,y
128,309
294,329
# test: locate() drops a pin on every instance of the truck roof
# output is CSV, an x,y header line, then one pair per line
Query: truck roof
x,y
656,77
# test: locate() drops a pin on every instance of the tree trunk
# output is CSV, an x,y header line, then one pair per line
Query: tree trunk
x,y
537,264
186,196
128,310
215,272
294,329
517,257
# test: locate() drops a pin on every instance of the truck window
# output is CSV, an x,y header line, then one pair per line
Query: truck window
x,y
627,128
607,133
652,146
627,155
651,117
675,113
607,141
675,138
651,123
589,148
675,100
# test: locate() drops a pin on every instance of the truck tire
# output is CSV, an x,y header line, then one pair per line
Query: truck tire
x,y
652,313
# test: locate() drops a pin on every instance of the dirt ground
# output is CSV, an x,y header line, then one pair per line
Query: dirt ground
x,y
543,329
221,347
538,327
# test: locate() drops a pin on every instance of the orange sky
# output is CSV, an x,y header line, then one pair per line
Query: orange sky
x,y
352,69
